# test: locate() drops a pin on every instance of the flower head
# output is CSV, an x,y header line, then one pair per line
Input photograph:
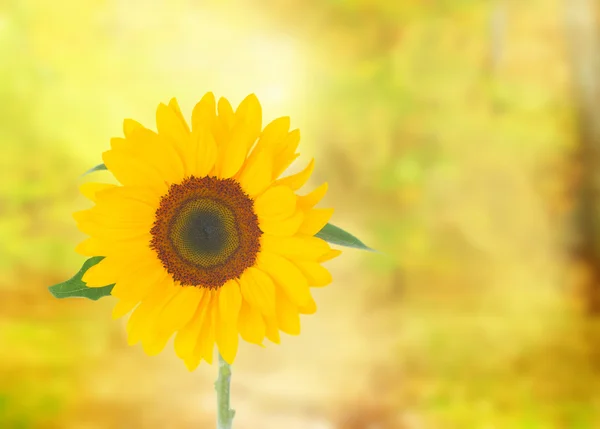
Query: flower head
x,y
202,239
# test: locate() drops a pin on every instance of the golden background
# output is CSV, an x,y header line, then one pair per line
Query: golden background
x,y
445,130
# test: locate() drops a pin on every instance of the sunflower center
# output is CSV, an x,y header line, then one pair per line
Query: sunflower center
x,y
206,232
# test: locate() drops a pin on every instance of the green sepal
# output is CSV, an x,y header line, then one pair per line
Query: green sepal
x,y
336,235
99,167
76,288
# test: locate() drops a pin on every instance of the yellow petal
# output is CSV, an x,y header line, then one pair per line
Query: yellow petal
x,y
203,114
96,246
91,247
278,202
249,115
82,216
267,147
137,283
283,227
256,174
311,199
203,142
274,133
174,105
114,226
251,324
299,246
120,248
222,126
173,316
244,132
296,181
142,318
89,189
126,211
314,221
93,224
159,152
271,328
333,253
141,194
309,308
112,268
154,343
187,337
122,307
287,152
206,343
244,128
226,114
315,273
205,152
178,312
192,361
233,152
259,290
288,318
115,200
230,301
118,143
114,234
206,339
105,272
130,126
131,171
169,126
286,275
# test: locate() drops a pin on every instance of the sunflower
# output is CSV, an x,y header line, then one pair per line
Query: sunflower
x,y
202,239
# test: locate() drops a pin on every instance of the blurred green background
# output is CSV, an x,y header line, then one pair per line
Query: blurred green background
x,y
457,136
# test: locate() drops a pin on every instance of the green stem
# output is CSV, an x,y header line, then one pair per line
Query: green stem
x,y
224,413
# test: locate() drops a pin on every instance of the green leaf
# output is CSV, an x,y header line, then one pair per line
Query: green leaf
x,y
76,288
99,167
335,235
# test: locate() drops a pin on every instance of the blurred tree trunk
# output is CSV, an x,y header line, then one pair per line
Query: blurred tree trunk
x,y
584,50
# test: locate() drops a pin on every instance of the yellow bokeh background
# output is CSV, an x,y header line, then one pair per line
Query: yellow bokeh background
x,y
444,129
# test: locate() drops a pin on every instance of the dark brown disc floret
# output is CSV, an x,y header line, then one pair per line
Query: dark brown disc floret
x,y
206,232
